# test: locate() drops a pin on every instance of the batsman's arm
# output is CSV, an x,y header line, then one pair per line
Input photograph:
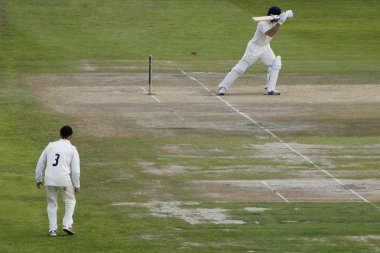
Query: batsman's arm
x,y
273,31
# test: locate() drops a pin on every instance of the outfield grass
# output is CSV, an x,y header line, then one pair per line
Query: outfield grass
x,y
327,38
324,36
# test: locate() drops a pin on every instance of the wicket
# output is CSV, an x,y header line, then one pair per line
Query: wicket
x,y
150,75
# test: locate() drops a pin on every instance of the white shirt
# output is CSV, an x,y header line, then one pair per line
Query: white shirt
x,y
62,164
260,38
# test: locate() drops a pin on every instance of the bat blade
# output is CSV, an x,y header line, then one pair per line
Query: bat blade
x,y
265,18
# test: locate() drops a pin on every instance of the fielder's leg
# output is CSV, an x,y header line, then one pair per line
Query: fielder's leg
x,y
272,76
52,206
70,201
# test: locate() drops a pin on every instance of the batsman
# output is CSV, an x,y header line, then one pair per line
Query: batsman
x,y
258,48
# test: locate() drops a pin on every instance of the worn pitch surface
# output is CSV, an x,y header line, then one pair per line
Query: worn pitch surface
x,y
113,104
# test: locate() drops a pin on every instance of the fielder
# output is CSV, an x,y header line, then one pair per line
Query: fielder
x,y
61,176
258,48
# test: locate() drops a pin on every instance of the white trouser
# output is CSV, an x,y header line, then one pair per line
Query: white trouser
x,y
68,197
252,54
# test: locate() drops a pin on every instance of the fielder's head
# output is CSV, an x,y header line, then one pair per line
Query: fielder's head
x,y
66,132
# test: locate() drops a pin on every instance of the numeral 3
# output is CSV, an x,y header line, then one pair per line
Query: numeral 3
x,y
56,160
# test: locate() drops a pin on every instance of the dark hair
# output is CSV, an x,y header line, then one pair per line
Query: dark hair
x,y
274,10
66,131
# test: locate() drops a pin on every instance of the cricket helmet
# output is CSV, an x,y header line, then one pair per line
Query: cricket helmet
x,y
66,131
274,10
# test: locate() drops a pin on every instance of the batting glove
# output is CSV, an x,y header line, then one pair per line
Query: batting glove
x,y
283,16
289,14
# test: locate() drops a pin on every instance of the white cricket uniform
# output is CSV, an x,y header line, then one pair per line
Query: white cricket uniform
x,y
61,175
258,48
260,38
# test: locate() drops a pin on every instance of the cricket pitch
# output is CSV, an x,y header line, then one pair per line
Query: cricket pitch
x,y
185,104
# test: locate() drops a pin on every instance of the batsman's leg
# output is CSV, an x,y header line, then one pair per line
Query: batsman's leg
x,y
234,73
268,75
274,66
273,72
238,70
251,55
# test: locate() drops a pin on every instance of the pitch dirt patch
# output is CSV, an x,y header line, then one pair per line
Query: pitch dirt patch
x,y
366,238
117,104
182,211
190,212
292,190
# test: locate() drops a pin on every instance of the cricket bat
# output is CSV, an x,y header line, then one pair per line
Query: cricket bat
x,y
265,18
289,15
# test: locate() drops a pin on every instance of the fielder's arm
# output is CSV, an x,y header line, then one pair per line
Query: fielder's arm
x,y
40,167
75,171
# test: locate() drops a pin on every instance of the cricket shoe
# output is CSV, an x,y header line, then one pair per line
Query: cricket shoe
x,y
68,230
273,92
53,233
222,91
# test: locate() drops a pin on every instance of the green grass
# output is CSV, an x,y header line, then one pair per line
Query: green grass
x,y
324,36
332,39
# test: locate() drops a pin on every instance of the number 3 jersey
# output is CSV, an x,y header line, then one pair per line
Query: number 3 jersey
x,y
62,164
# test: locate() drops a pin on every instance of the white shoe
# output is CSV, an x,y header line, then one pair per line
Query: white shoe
x,y
221,91
68,230
273,92
53,233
